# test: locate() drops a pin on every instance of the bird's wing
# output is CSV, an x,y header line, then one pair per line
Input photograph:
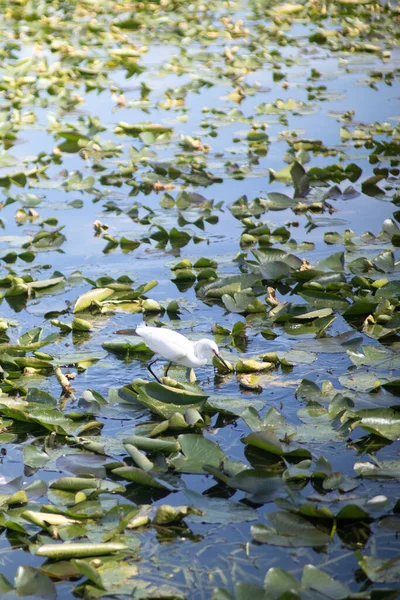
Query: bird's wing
x,y
169,344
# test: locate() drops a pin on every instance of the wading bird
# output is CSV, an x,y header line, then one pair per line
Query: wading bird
x,y
176,348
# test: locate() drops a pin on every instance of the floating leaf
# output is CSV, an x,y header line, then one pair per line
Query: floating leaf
x,y
218,510
72,550
289,530
165,400
380,570
196,452
92,297
269,443
31,582
385,469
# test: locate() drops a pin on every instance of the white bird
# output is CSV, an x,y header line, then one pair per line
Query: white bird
x,y
176,348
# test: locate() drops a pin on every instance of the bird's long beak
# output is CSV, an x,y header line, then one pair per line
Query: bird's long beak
x,y
222,360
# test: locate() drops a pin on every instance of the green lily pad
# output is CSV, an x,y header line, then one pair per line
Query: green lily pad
x,y
196,452
31,582
269,443
380,570
91,297
165,400
218,510
289,530
385,469
258,485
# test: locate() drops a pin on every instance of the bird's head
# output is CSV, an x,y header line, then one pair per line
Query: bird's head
x,y
206,348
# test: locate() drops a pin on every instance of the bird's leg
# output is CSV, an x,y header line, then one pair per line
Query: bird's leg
x,y
149,369
168,368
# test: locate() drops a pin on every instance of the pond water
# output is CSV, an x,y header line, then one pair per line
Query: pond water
x,y
227,170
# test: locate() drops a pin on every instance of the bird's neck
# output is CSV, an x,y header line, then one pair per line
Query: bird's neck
x,y
198,352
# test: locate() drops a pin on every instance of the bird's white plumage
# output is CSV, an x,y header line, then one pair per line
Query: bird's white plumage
x,y
170,344
176,348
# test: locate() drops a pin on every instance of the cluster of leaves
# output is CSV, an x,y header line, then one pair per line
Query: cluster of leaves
x,y
314,583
